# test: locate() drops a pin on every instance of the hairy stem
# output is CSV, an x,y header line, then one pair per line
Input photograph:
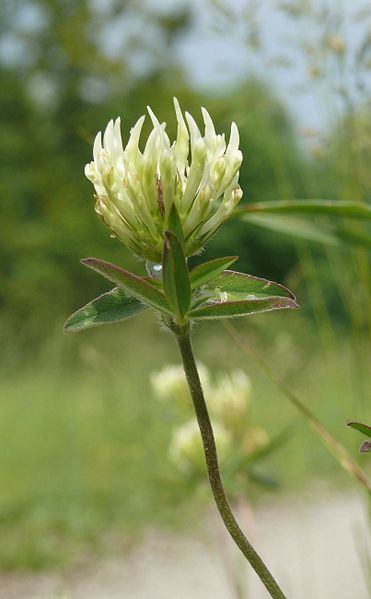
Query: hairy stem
x,y
190,368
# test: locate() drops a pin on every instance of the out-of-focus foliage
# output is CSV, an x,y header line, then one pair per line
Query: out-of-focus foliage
x,y
66,68
60,84
241,445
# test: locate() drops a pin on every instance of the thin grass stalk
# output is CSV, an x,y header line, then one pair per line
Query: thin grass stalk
x,y
337,450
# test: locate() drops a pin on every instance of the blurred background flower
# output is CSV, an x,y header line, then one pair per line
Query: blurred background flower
x,y
240,443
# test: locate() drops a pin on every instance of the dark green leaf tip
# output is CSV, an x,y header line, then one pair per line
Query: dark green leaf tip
x,y
175,275
174,225
360,427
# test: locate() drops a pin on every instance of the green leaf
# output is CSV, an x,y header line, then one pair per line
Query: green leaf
x,y
174,225
113,306
231,285
238,294
135,286
175,275
241,308
359,426
199,299
154,282
203,273
360,210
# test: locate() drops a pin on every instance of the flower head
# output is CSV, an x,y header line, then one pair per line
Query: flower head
x,y
170,382
135,190
231,397
185,450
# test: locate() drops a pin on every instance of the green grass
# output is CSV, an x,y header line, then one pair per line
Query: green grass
x,y
83,444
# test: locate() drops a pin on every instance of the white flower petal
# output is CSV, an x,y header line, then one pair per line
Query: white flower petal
x,y
181,146
195,132
136,190
108,138
210,134
132,147
97,145
234,139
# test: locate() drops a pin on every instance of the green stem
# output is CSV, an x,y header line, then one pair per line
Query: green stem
x,y
190,368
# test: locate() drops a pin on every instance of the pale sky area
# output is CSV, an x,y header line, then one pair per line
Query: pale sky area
x,y
215,52
222,57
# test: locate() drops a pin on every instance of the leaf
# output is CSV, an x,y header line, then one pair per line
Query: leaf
x,y
135,286
113,306
174,225
360,210
154,282
241,308
175,275
238,294
359,426
240,286
199,300
203,273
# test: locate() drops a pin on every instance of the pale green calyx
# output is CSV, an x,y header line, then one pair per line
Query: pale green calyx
x,y
135,190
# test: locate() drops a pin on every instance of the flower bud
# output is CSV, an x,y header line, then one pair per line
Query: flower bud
x,y
135,190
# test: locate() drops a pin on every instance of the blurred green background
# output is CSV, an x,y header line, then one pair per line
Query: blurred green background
x,y
83,443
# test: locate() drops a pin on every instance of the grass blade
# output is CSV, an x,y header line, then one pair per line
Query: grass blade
x,y
360,210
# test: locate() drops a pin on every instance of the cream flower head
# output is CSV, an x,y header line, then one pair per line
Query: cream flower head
x,y
170,382
135,190
185,450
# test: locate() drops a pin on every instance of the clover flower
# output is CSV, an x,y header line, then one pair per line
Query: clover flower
x,y
170,383
185,450
135,190
231,397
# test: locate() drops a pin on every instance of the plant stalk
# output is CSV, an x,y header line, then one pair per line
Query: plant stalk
x,y
208,441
